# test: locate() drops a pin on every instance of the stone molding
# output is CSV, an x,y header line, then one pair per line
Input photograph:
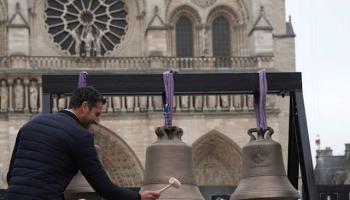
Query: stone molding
x,y
50,63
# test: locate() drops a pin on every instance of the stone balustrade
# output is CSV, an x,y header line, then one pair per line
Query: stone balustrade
x,y
23,94
132,63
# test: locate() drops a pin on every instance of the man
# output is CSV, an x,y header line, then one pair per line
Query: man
x,y
50,149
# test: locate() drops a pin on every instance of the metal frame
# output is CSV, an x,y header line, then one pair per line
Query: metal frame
x,y
288,83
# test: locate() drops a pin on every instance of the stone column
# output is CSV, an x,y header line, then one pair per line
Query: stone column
x,y
205,107
26,95
232,105
218,106
109,104
40,95
136,105
123,108
10,83
150,104
191,103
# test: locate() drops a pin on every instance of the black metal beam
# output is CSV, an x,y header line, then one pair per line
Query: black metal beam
x,y
303,142
184,83
47,103
293,157
209,83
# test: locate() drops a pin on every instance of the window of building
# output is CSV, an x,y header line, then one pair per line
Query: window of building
x,y
221,41
184,37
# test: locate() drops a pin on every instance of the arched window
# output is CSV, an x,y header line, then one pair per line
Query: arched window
x,y
221,41
184,37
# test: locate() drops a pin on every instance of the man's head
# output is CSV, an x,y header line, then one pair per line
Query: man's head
x,y
87,104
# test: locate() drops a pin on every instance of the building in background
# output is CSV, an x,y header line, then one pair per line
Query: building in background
x,y
137,36
332,174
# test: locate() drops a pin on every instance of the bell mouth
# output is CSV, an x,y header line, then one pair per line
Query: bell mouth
x,y
274,187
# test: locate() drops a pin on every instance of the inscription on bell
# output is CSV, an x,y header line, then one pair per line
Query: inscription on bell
x,y
259,155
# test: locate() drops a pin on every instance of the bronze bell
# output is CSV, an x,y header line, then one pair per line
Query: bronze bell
x,y
170,157
263,175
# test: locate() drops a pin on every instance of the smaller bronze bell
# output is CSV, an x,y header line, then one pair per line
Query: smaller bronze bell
x,y
170,157
263,174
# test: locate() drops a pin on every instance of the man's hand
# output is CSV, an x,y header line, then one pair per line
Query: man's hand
x,y
150,195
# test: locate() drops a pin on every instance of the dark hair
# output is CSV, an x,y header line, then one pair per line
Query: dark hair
x,y
89,94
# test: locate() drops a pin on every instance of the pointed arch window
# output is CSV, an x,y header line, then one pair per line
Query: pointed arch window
x,y
184,37
221,41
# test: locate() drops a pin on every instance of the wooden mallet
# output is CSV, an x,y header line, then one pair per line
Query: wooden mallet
x,y
173,182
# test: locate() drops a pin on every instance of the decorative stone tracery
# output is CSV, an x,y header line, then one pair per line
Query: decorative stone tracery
x,y
212,166
86,27
118,158
204,3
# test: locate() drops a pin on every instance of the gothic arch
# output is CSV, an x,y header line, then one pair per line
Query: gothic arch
x,y
176,14
237,25
216,160
225,11
118,158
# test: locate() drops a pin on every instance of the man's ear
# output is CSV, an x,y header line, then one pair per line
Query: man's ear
x,y
85,106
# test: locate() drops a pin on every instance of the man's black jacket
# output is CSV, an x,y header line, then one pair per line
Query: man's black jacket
x,y
49,151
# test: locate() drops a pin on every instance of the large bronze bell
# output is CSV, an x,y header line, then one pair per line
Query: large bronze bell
x,y
263,175
170,157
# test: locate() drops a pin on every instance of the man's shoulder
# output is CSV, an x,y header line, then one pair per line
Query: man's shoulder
x,y
58,119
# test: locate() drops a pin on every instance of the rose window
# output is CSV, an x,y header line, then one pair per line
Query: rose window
x,y
86,27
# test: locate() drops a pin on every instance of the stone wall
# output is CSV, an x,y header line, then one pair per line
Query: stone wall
x,y
215,125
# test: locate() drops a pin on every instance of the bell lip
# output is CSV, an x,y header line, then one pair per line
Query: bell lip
x,y
271,194
285,189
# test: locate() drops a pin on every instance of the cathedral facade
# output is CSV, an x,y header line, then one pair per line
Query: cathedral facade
x,y
147,36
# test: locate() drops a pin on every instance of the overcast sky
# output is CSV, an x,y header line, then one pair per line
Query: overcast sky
x,y
323,56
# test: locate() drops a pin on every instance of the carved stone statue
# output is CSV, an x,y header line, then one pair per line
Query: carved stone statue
x,y
198,102
157,103
237,102
211,99
77,41
4,96
19,95
225,101
33,96
143,103
184,102
98,41
130,103
117,103
88,38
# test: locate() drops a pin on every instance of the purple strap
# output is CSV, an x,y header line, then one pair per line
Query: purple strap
x,y
82,79
169,97
260,101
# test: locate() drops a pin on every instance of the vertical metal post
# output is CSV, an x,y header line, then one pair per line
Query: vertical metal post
x,y
303,143
293,159
47,103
